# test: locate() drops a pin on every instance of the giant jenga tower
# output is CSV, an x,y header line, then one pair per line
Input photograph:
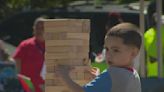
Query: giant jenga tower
x,y
67,43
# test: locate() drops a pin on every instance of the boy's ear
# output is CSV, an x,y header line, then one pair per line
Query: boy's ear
x,y
135,52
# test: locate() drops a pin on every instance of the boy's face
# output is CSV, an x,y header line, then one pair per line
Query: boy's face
x,y
119,54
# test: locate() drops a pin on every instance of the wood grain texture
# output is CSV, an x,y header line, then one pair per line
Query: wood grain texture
x,y
67,49
67,43
66,35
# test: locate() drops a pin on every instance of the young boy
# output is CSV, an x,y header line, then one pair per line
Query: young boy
x,y
122,43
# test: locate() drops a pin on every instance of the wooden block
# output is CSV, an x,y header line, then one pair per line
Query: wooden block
x,y
81,36
73,62
54,79
66,56
67,49
67,43
66,36
59,49
50,68
49,82
56,89
67,25
54,36
64,29
86,26
73,73
51,76
83,62
53,82
82,68
51,23
60,62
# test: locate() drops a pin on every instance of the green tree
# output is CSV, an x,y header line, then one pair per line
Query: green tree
x,y
9,7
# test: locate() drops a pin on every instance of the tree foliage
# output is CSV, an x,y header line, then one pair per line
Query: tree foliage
x,y
9,7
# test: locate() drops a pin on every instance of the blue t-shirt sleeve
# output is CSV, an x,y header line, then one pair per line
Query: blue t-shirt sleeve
x,y
101,83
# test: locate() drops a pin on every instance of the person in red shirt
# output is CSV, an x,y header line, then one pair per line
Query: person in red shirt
x,y
29,56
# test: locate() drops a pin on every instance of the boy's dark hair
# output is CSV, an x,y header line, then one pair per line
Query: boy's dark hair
x,y
128,32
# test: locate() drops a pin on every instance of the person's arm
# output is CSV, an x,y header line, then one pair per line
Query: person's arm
x,y
19,55
102,83
72,85
63,72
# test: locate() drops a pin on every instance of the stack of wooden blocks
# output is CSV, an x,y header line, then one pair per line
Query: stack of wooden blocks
x,y
67,43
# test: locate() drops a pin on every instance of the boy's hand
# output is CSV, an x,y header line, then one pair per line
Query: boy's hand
x,y
95,71
63,72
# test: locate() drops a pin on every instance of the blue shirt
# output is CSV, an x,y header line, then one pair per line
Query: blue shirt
x,y
102,83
